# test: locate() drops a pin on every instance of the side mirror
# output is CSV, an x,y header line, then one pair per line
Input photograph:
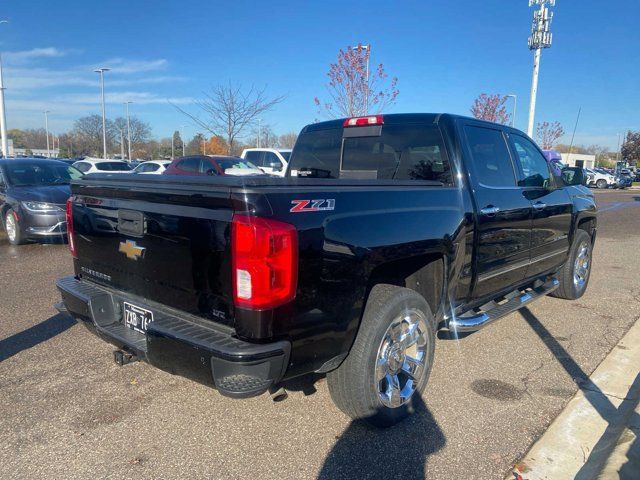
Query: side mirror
x,y
276,166
574,176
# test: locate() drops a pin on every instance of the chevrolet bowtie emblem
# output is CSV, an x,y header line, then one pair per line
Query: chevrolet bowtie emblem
x,y
131,249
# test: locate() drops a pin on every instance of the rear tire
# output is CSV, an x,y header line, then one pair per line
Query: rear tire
x,y
574,274
13,229
390,360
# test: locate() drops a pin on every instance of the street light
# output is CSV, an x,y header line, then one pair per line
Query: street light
x,y
104,116
540,38
126,105
366,93
515,102
46,128
3,117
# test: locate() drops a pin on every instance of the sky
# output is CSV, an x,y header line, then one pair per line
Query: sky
x,y
444,53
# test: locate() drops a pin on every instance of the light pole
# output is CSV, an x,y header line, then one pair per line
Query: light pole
x,y
182,138
540,38
173,155
121,144
366,87
259,132
618,151
3,117
46,128
104,115
515,102
126,105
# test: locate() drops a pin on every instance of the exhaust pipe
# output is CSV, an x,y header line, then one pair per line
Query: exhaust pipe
x,y
278,394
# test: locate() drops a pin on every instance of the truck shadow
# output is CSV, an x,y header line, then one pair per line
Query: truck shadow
x,y
600,402
32,336
401,451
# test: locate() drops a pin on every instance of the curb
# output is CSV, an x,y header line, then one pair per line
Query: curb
x,y
579,442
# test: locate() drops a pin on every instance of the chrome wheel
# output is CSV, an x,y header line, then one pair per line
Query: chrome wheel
x,y
401,360
11,227
582,265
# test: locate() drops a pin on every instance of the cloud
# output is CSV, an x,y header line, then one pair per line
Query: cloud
x,y
141,98
120,65
24,56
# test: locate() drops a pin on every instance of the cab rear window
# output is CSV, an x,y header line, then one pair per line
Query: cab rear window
x,y
401,152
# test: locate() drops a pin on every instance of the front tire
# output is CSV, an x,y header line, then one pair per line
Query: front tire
x,y
13,229
574,274
390,360
602,183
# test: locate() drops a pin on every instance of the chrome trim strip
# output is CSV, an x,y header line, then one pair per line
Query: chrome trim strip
x,y
520,264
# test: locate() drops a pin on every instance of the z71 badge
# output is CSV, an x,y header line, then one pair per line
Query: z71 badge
x,y
313,205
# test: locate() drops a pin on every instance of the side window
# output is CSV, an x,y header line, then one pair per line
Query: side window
x,y
207,166
152,167
491,159
82,166
255,157
189,164
271,158
534,165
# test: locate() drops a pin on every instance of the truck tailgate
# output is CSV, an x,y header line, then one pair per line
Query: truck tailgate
x,y
160,242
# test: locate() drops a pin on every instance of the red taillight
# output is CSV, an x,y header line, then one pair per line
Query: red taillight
x,y
363,121
69,217
265,262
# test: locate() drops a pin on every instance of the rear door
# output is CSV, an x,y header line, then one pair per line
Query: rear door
x,y
552,207
503,217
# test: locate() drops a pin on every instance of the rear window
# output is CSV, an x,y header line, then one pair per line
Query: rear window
x,y
235,163
111,166
401,152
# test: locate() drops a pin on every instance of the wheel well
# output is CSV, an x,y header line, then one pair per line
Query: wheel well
x,y
423,274
3,211
588,225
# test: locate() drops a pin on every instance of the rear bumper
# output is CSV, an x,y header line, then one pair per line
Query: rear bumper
x,y
188,347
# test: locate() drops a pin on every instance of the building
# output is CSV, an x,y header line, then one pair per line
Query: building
x,y
39,152
579,160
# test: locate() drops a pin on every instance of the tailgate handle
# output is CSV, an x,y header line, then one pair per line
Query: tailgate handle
x,y
131,222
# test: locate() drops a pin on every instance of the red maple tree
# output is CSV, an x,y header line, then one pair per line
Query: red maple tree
x,y
491,108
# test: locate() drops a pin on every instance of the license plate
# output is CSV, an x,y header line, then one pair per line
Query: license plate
x,y
137,318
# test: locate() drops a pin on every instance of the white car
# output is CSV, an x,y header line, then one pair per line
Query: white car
x,y
273,161
599,179
99,165
152,167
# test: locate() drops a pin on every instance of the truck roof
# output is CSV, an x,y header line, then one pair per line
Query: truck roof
x,y
391,119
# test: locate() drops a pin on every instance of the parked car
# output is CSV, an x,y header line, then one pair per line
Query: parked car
x,y
33,194
96,165
212,165
597,178
152,167
395,226
273,161
624,179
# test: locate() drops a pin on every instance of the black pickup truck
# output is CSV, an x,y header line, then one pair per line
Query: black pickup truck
x,y
385,230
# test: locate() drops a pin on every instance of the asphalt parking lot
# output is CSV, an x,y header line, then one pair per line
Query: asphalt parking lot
x,y
68,411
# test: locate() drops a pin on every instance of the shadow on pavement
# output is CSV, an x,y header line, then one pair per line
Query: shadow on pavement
x,y
401,451
600,402
31,337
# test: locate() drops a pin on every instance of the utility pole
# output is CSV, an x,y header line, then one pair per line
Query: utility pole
x,y
46,128
540,38
121,144
104,115
126,104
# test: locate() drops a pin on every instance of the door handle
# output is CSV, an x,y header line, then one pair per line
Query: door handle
x,y
490,211
539,205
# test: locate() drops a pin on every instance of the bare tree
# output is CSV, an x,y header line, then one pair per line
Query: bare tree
x,y
548,134
287,140
140,131
263,135
491,108
353,90
227,110
88,133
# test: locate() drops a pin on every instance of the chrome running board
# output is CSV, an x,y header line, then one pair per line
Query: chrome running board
x,y
477,320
